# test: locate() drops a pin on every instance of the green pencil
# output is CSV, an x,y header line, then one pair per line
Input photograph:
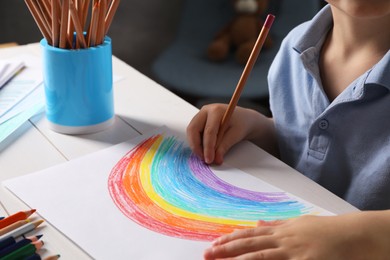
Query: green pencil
x,y
24,251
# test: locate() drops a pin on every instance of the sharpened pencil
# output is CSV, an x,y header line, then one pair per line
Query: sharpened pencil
x,y
244,76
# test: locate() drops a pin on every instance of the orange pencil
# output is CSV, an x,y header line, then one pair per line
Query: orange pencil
x,y
101,22
85,13
77,24
110,15
93,25
64,23
55,26
244,76
34,10
13,226
21,215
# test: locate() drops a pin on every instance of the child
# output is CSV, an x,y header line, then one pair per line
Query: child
x,y
330,100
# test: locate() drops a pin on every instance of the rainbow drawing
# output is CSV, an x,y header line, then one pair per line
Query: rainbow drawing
x,y
162,186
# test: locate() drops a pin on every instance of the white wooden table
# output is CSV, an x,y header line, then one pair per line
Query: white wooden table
x,y
141,105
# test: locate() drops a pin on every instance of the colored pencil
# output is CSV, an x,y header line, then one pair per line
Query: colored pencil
x,y
21,215
244,76
7,242
55,25
110,14
102,14
13,226
61,20
18,245
94,24
64,23
77,24
38,257
39,20
24,252
22,230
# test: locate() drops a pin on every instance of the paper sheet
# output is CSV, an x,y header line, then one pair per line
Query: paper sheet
x,y
21,85
150,198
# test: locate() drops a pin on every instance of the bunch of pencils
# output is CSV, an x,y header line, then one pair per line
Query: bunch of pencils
x,y
14,244
73,24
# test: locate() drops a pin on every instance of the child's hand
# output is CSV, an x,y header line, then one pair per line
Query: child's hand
x,y
203,130
351,236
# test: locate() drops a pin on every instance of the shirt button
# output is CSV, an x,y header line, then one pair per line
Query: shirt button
x,y
323,124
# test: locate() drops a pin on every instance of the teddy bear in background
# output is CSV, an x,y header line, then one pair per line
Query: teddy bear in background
x,y
241,33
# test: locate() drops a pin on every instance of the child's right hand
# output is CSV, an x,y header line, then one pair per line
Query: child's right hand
x,y
203,130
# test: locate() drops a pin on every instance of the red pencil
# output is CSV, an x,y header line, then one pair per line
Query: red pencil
x,y
21,215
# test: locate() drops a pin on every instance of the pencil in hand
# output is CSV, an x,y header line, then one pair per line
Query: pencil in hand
x,y
244,76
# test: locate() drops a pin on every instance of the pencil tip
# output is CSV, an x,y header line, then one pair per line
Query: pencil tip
x,y
39,236
38,222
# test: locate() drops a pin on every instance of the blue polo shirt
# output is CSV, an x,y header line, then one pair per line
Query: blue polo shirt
x,y
344,145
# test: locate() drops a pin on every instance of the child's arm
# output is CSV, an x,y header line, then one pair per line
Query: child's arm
x,y
245,124
362,235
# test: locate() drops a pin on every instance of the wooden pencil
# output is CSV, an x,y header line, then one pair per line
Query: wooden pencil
x,y
85,13
55,25
93,25
77,25
45,8
110,15
61,20
244,76
38,20
64,23
101,29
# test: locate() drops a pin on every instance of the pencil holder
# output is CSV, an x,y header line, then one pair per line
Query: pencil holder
x,y
78,88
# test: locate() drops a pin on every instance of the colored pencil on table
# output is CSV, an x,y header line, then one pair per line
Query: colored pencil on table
x,y
19,244
7,242
13,226
24,252
22,230
38,257
21,215
244,76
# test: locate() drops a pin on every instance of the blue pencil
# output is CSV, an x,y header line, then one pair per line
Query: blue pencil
x,y
17,245
7,242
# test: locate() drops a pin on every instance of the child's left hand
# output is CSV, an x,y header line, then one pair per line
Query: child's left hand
x,y
363,235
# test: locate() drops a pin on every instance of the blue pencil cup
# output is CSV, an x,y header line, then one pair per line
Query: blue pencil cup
x,y
78,88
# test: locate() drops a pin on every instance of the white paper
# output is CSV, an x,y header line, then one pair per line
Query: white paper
x,y
8,69
75,198
21,85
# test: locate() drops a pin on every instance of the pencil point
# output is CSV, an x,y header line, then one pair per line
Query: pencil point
x,y
38,222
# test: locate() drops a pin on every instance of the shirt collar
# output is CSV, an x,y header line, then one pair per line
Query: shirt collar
x,y
380,73
316,32
314,35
